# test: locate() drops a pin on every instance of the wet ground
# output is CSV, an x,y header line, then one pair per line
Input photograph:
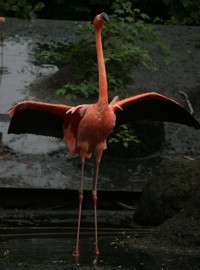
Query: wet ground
x,y
45,239
56,253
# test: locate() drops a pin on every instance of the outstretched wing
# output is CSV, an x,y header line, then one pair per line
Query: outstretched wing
x,y
152,106
38,118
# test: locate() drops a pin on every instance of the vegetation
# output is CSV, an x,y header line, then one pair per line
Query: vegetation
x,y
20,8
171,11
159,11
124,135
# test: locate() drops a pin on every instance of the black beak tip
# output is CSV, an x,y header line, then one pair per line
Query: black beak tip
x,y
106,17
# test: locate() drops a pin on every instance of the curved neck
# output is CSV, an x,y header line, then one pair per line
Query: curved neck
x,y
103,89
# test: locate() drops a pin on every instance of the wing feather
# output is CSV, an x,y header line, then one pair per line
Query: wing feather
x,y
38,118
152,106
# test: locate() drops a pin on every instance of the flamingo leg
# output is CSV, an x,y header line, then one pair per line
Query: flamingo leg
x,y
94,194
77,251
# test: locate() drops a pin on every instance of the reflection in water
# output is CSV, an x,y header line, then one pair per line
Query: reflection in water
x,y
56,253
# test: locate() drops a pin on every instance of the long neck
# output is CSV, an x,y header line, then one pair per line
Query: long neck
x,y
103,89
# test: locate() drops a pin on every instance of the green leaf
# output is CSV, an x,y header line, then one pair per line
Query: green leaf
x,y
125,144
39,6
60,91
145,16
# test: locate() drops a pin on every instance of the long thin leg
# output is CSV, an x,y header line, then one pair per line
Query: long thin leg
x,y
76,251
94,194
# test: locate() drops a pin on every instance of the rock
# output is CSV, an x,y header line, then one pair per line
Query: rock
x,y
168,191
183,229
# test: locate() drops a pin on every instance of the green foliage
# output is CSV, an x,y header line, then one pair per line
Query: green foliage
x,y
172,11
124,136
183,11
159,11
20,8
125,42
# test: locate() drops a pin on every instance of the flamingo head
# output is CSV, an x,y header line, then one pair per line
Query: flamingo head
x,y
100,19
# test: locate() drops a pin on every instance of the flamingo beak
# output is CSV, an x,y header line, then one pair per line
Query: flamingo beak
x,y
105,17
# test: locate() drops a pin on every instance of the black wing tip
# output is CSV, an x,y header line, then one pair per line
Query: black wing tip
x,y
190,120
196,124
36,122
157,110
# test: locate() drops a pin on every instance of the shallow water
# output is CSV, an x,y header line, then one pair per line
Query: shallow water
x,y
56,253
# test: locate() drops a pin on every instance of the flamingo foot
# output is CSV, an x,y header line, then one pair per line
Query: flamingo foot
x,y
97,251
76,251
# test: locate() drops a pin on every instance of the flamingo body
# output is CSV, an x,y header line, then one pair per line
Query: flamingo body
x,y
96,124
86,127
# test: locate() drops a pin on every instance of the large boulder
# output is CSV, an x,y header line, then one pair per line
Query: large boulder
x,y
169,190
183,229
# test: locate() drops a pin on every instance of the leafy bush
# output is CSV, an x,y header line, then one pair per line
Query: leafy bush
x,y
20,8
124,135
183,11
170,11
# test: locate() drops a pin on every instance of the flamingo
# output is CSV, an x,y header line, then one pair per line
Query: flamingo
x,y
86,127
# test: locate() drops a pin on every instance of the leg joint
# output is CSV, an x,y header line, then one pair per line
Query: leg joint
x,y
80,198
94,193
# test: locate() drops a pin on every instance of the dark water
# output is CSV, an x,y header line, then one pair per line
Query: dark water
x,y
56,253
